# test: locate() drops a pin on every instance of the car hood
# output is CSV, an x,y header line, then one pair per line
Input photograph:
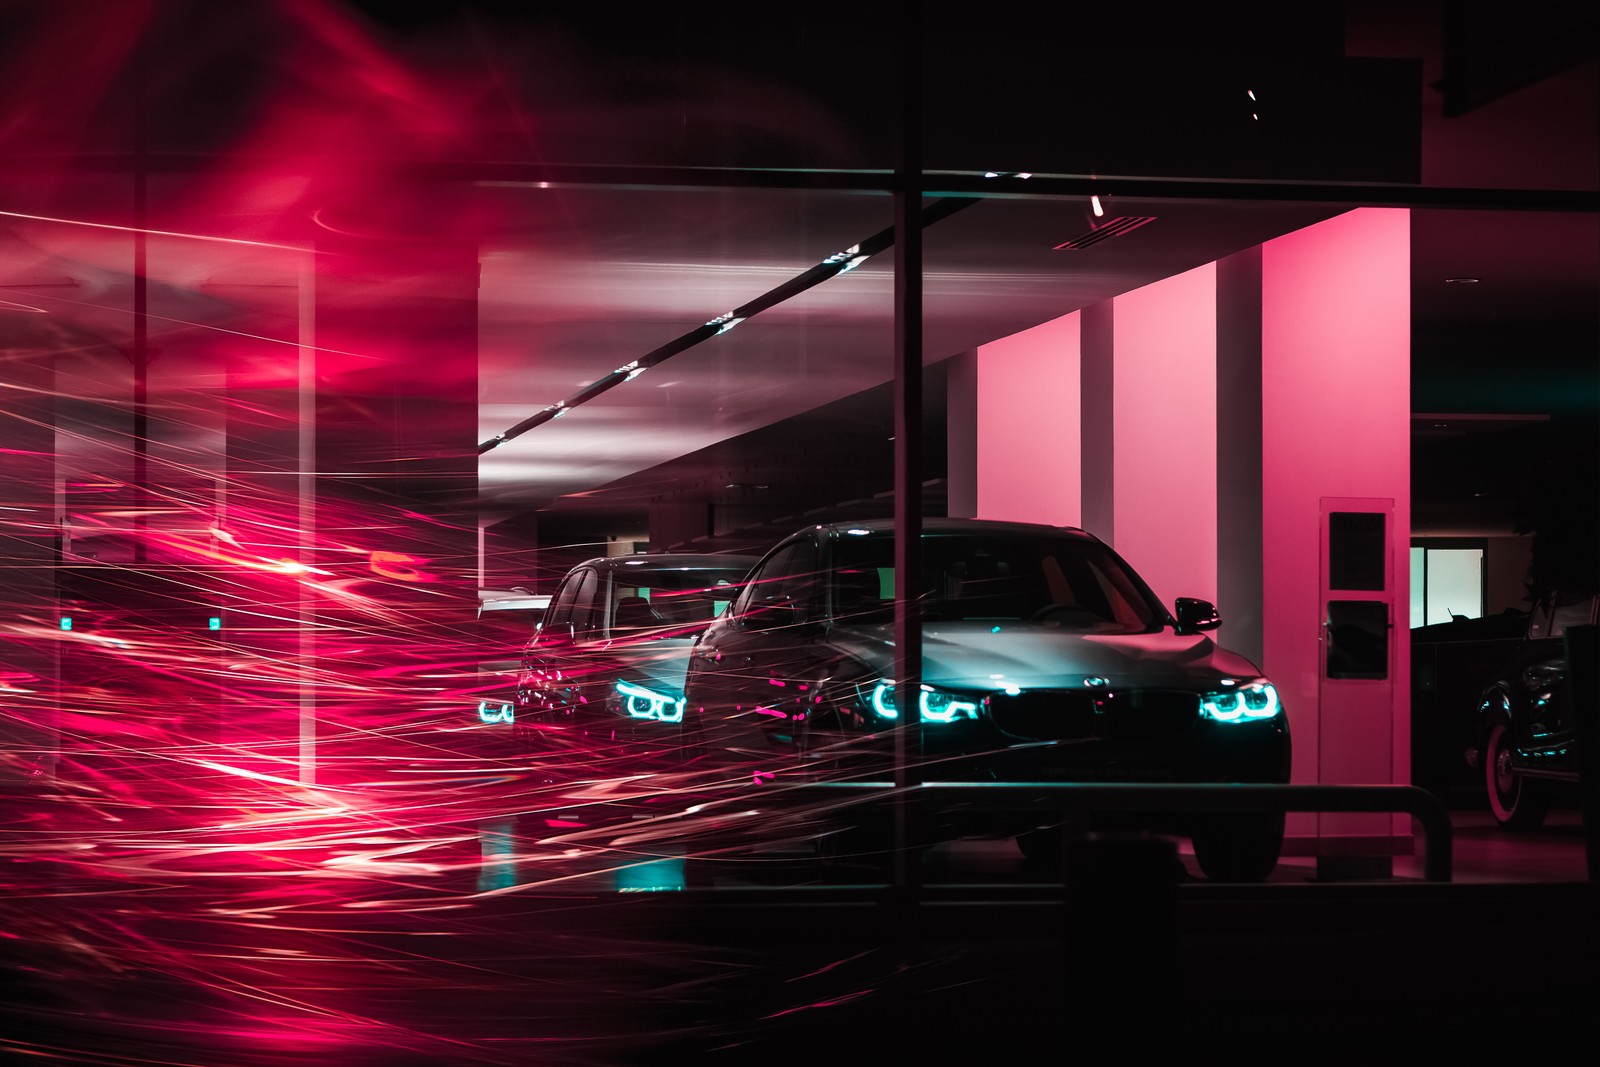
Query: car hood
x,y
986,655
659,664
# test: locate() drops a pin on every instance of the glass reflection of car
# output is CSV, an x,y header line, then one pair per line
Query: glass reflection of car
x,y
1045,658
507,620
607,663
1526,737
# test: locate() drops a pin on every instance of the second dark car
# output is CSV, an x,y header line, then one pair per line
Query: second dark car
x,y
605,669
1046,658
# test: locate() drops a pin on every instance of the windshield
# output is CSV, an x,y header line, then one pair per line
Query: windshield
x,y
647,599
1062,581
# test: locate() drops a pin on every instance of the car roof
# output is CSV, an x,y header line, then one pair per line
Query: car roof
x,y
941,525
645,562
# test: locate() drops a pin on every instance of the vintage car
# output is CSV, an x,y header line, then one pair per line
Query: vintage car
x,y
1526,739
1452,663
1045,659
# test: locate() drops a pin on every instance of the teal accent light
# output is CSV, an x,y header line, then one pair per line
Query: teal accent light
x,y
1248,703
641,702
936,704
488,713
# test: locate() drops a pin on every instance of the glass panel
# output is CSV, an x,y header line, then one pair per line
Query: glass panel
x,y
1358,639
1454,584
1355,550
1419,587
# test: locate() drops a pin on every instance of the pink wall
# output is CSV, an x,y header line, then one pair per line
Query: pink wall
x,y
1166,433
1334,413
1335,423
1029,466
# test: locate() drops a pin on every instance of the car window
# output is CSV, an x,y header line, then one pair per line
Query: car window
x,y
586,613
671,602
997,577
788,576
1539,618
1565,609
797,582
1119,593
560,611
758,577
862,590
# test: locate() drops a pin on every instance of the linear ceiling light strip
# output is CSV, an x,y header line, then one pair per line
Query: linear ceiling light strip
x,y
834,265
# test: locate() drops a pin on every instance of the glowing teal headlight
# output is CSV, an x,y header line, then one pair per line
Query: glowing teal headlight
x,y
643,703
1247,703
488,712
937,705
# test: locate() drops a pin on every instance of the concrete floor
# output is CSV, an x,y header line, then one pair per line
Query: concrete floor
x,y
460,923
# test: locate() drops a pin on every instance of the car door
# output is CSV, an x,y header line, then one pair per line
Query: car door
x,y
553,684
1543,731
757,667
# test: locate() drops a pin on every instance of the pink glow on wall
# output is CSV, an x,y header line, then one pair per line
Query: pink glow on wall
x,y
1335,423
1029,467
1166,434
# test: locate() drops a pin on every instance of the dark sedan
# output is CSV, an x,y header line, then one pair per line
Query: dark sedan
x,y
1045,659
605,669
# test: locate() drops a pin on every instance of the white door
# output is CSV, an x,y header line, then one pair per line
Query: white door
x,y
1355,735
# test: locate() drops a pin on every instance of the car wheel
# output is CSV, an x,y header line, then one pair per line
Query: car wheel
x,y
1515,802
1239,848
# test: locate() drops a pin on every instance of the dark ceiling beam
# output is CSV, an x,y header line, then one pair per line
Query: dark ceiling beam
x,y
996,184
938,183
831,267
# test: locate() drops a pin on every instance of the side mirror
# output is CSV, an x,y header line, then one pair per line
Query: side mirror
x,y
770,614
774,614
1194,615
559,634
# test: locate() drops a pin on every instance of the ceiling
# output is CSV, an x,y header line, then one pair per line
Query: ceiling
x,y
260,120
989,271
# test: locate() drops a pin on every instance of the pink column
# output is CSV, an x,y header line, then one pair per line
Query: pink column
x,y
1335,411
1028,464
1165,452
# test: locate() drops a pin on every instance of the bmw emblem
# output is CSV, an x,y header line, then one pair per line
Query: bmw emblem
x,y
1094,681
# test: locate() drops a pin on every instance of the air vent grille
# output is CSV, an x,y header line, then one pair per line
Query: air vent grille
x,y
1107,230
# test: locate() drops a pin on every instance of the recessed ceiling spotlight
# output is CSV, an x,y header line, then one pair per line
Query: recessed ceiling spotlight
x,y
1463,281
